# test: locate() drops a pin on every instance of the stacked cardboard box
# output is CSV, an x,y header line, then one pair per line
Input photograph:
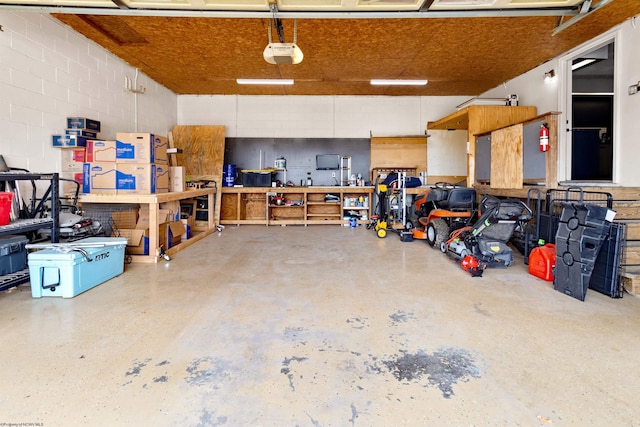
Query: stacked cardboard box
x,y
134,226
79,131
135,163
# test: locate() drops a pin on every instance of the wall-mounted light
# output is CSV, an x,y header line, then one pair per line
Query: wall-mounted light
x,y
549,76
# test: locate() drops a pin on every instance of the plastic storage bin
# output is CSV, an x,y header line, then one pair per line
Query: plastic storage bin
x,y
5,207
13,255
66,272
256,179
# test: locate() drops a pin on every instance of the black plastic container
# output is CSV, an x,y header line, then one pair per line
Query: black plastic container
x,y
13,255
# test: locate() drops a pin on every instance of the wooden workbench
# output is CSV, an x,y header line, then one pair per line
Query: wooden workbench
x,y
154,200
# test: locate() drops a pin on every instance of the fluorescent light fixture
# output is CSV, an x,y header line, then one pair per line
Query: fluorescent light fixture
x,y
398,82
582,63
264,81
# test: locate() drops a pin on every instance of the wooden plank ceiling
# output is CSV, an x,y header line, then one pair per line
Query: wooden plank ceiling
x,y
458,56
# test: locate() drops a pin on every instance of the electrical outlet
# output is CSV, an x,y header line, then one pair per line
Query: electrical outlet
x,y
333,174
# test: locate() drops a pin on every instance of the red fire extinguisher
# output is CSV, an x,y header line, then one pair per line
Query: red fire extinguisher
x,y
544,138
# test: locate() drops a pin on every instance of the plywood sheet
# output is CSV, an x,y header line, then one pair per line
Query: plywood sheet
x,y
202,155
506,157
229,208
399,152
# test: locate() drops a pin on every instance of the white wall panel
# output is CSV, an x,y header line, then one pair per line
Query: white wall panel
x,y
49,72
628,123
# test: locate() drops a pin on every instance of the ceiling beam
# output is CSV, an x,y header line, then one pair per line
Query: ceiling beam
x,y
120,4
502,13
585,10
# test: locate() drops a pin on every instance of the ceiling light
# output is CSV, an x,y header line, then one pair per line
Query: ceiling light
x,y
399,82
264,81
582,63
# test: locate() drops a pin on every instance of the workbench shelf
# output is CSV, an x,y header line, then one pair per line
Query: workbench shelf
x,y
310,205
26,225
153,201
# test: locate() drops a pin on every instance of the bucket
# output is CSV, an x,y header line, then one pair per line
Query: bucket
x,y
5,207
280,163
542,261
228,175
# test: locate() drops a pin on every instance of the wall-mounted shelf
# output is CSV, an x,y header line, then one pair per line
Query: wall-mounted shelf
x,y
25,225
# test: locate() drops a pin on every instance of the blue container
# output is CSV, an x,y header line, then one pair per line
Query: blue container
x,y
67,273
229,175
353,222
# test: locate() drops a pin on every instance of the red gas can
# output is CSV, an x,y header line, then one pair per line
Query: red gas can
x,y
542,260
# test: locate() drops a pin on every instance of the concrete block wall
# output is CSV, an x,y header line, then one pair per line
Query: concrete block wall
x,y
49,72
315,116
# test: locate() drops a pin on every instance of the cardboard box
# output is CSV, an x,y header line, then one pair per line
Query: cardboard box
x,y
176,179
126,219
124,225
164,215
68,141
82,132
142,178
100,151
173,208
72,160
141,148
67,187
175,230
99,177
83,123
137,241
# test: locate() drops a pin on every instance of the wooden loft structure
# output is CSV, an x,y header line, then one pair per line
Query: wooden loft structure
x,y
476,119
505,128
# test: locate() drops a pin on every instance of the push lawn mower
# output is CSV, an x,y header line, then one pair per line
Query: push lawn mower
x,y
485,243
443,209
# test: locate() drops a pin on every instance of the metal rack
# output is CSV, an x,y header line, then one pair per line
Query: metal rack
x,y
32,219
345,170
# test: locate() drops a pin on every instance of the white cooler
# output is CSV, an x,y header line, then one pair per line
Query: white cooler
x,y
68,269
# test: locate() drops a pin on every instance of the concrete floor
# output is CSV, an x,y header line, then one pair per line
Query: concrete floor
x,y
318,326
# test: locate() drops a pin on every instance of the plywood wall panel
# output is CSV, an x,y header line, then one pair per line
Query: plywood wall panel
x,y
399,152
202,155
506,157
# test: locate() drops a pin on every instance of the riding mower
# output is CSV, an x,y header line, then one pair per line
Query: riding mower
x,y
443,209
485,243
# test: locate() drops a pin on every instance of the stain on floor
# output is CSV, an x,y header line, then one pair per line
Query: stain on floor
x,y
357,322
287,370
137,367
401,317
207,371
442,369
